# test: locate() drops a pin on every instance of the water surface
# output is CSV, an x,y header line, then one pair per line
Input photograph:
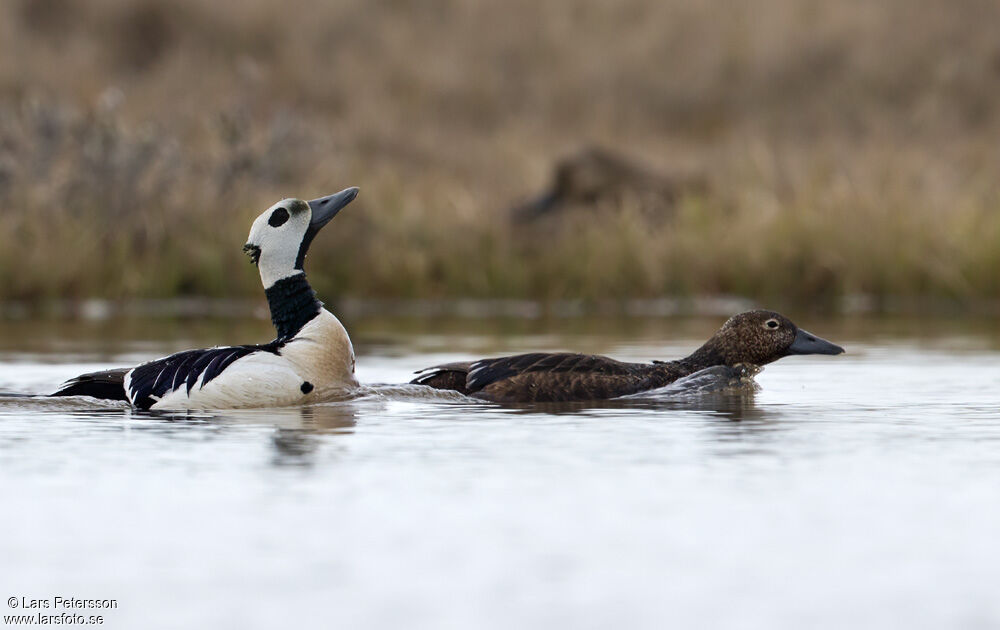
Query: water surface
x,y
851,491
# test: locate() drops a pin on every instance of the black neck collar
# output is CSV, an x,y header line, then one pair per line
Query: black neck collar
x,y
293,304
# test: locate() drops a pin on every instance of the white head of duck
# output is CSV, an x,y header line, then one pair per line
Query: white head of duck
x,y
280,237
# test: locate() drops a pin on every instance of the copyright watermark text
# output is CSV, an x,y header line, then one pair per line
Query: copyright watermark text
x,y
57,611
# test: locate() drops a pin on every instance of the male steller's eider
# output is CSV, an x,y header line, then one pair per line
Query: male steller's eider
x,y
750,338
311,358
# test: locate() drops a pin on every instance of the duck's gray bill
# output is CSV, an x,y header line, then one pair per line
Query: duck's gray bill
x,y
325,208
808,343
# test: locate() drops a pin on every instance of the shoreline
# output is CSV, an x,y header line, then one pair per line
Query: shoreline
x,y
96,309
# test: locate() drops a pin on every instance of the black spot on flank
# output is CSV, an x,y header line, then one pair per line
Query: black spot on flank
x,y
307,387
278,217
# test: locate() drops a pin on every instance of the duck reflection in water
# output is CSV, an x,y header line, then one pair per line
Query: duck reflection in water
x,y
298,444
299,432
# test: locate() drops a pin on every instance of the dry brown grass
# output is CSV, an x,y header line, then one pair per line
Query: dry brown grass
x,y
851,146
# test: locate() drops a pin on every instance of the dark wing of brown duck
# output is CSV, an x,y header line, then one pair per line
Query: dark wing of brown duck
x,y
544,377
451,376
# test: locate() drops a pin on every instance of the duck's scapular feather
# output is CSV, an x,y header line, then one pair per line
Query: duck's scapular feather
x,y
543,377
150,382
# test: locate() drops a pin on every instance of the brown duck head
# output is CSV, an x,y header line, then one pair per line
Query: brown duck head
x,y
760,337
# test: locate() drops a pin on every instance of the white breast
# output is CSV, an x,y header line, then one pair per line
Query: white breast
x,y
322,353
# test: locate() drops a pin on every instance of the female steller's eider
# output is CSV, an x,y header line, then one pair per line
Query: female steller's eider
x,y
751,338
311,358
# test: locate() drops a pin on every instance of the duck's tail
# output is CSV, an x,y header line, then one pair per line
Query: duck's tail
x,y
106,385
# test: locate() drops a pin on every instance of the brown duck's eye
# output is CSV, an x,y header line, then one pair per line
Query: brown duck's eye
x,y
772,323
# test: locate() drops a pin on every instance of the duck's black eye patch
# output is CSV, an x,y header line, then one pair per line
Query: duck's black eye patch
x,y
278,217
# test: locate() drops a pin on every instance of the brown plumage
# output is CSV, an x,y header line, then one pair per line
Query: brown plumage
x,y
595,174
751,338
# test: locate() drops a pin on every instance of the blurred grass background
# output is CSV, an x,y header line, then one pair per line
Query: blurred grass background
x,y
849,147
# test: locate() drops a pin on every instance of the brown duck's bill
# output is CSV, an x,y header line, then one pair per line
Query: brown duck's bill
x,y
808,343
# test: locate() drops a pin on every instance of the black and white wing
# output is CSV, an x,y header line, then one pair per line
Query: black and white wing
x,y
148,383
